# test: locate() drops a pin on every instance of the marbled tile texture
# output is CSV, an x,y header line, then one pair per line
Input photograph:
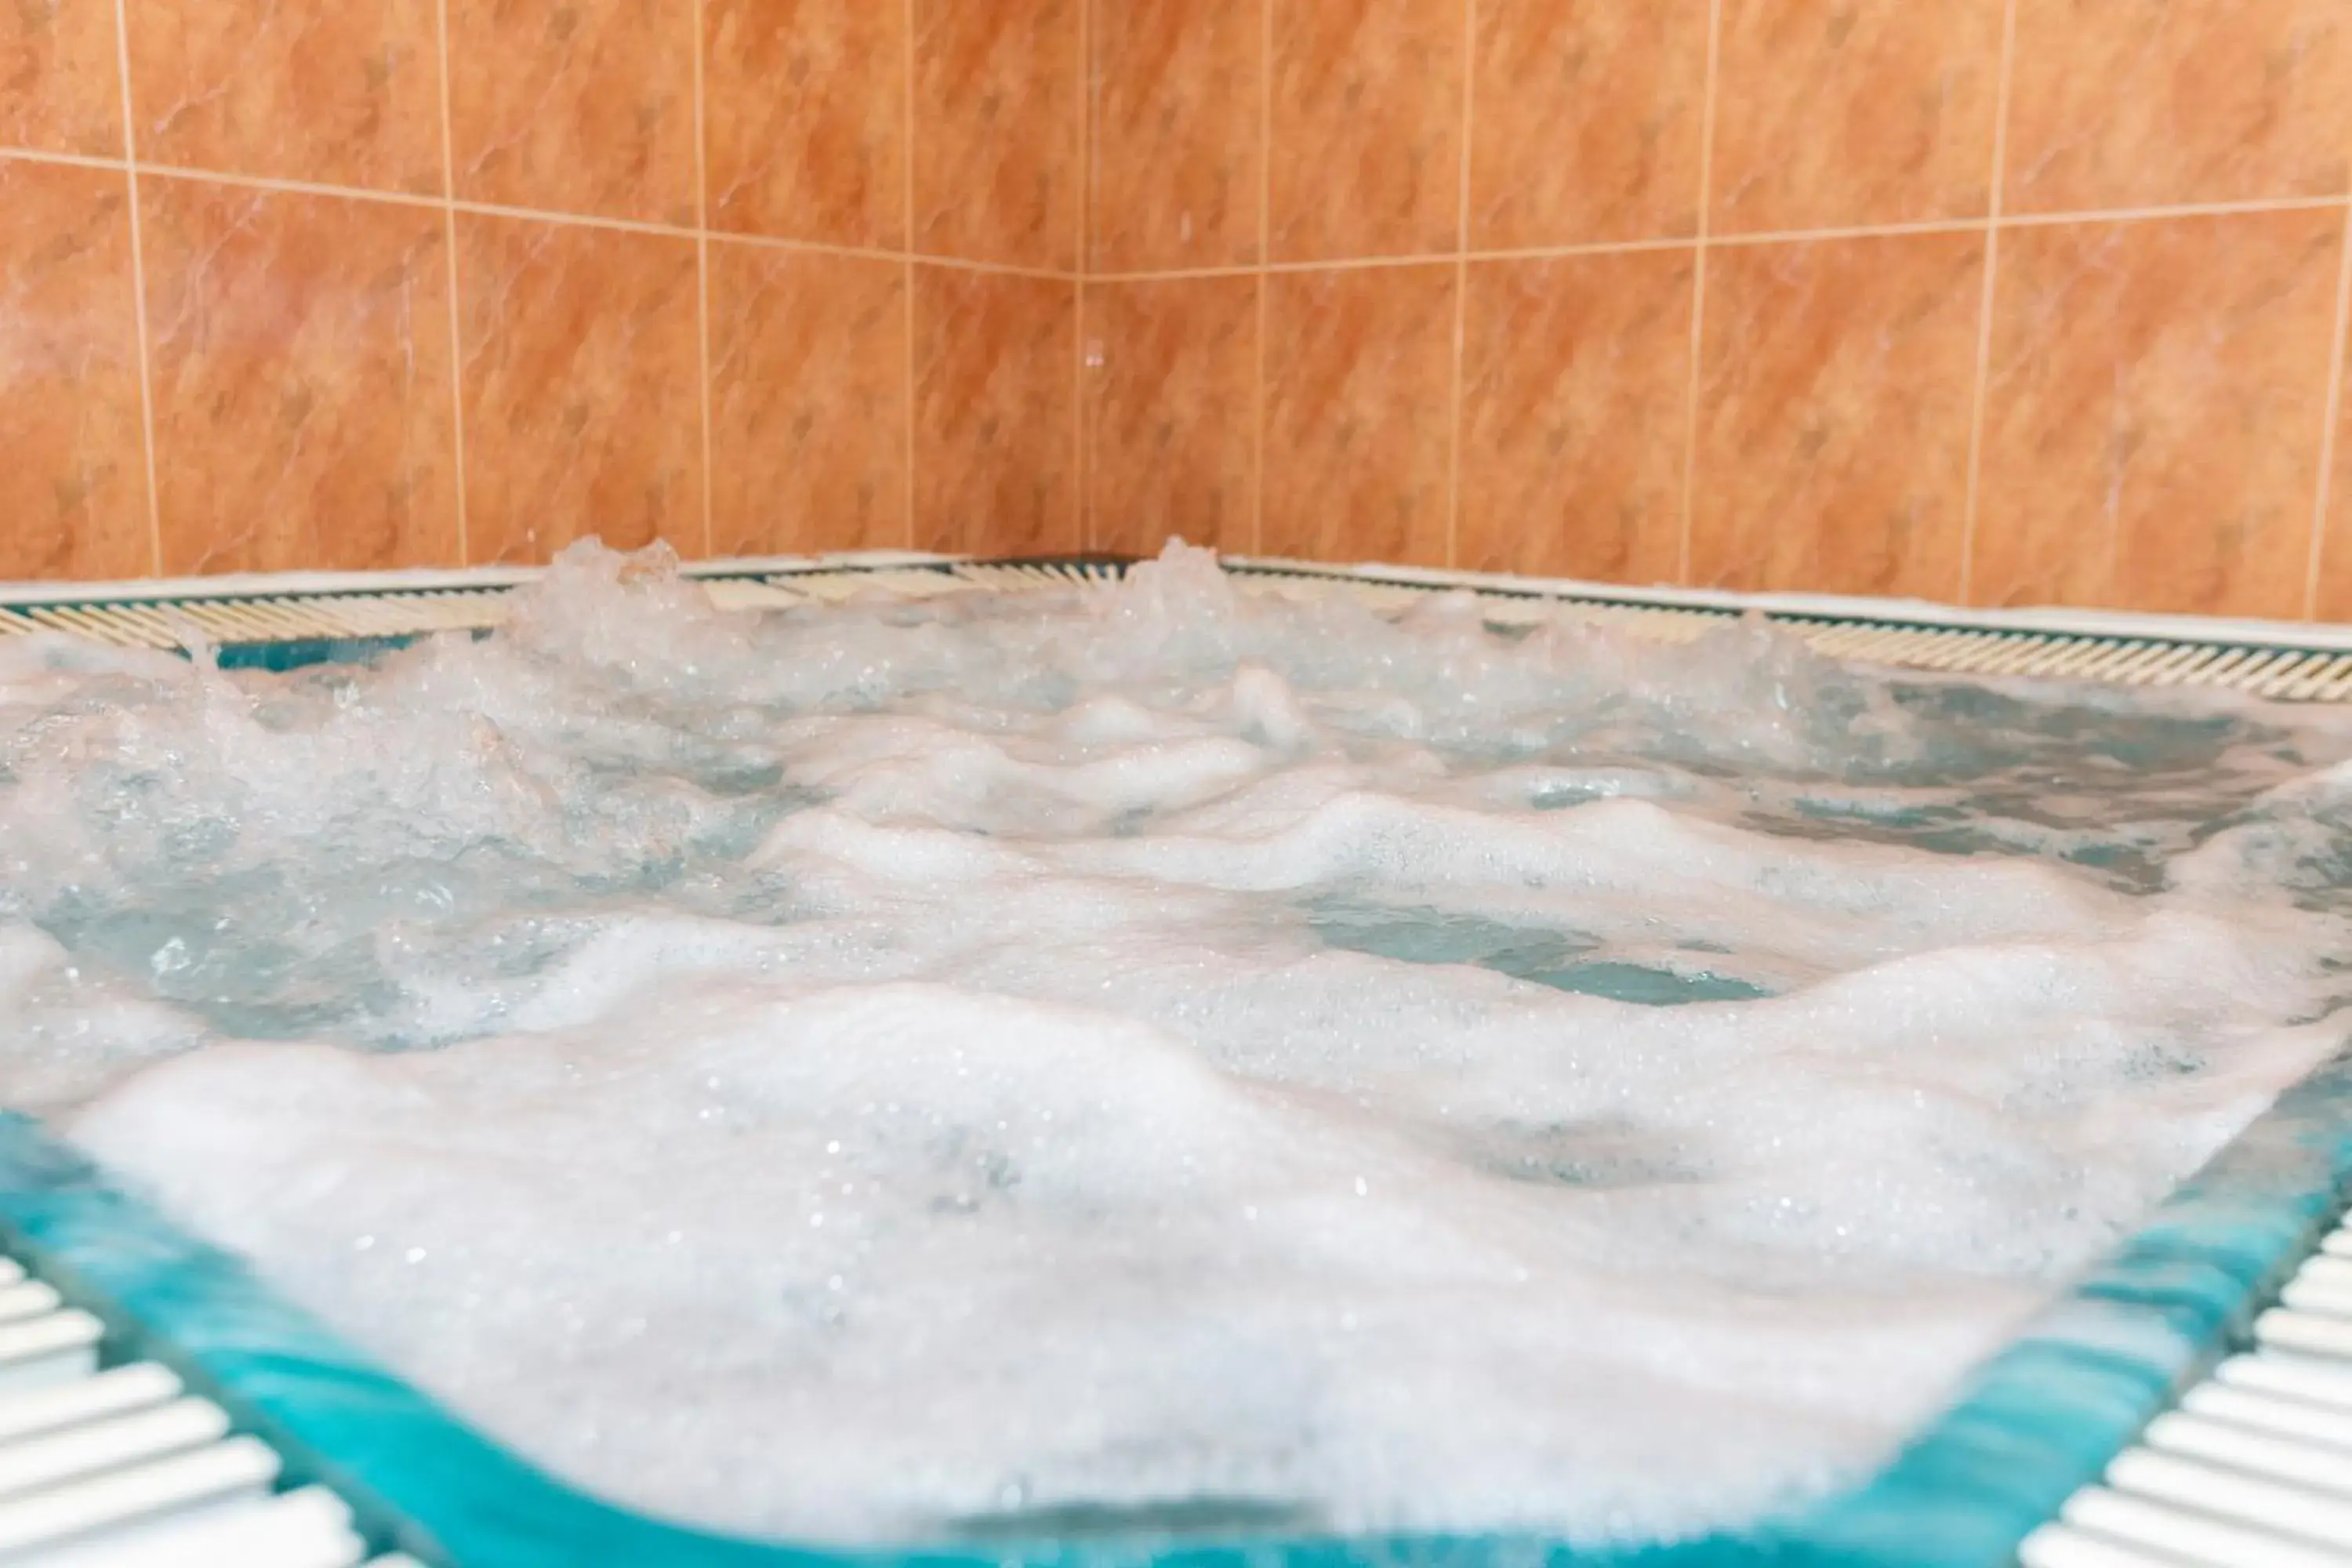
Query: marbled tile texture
x,y
1832,113
805,119
300,352
574,105
73,489
579,379
1832,435
342,92
1575,393
997,131
1177,164
1366,114
808,401
1171,390
1358,365
1590,116
61,89
995,393
2154,412
2122,103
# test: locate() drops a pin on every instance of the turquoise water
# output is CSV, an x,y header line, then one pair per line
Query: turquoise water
x,y
1562,960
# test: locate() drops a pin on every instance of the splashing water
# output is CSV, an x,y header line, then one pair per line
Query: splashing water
x,y
1154,1054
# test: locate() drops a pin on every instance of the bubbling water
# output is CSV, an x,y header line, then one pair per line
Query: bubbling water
x,y
1155,1054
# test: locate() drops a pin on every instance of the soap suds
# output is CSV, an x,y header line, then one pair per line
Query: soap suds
x,y
1157,1053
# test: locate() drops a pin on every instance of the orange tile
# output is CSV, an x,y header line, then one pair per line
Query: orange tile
x,y
1171,400
298,349
804,108
996,131
1588,122
1359,369
1575,416
61,89
1367,133
2152,423
995,401
1175,178
2331,580
808,401
2123,104
574,105
1837,112
1836,386
582,413
344,92
74,489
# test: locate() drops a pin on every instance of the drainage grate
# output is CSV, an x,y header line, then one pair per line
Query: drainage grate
x,y
2252,1467
337,617
113,1463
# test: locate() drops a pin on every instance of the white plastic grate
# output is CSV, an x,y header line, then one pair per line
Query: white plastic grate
x,y
2285,663
2252,1467
123,1467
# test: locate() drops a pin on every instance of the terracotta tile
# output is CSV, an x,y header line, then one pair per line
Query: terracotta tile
x,y
1175,176
582,413
1836,386
1588,122
1358,366
808,401
1172,402
2122,103
2331,582
574,105
996,131
2152,423
995,401
1367,128
298,349
61,89
1575,416
1837,112
74,489
344,92
805,109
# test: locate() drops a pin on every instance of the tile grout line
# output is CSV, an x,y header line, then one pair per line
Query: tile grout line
x,y
1981,390
1714,241
2182,209
1081,447
139,284
1371,263
1698,289
449,258
1264,269
69,160
1755,238
534,214
945,263
1461,282
2315,556
701,272
907,257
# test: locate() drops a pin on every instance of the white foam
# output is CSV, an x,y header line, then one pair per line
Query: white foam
x,y
893,1068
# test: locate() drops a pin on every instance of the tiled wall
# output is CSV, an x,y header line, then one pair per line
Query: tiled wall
x,y
360,283
1999,300
2008,301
